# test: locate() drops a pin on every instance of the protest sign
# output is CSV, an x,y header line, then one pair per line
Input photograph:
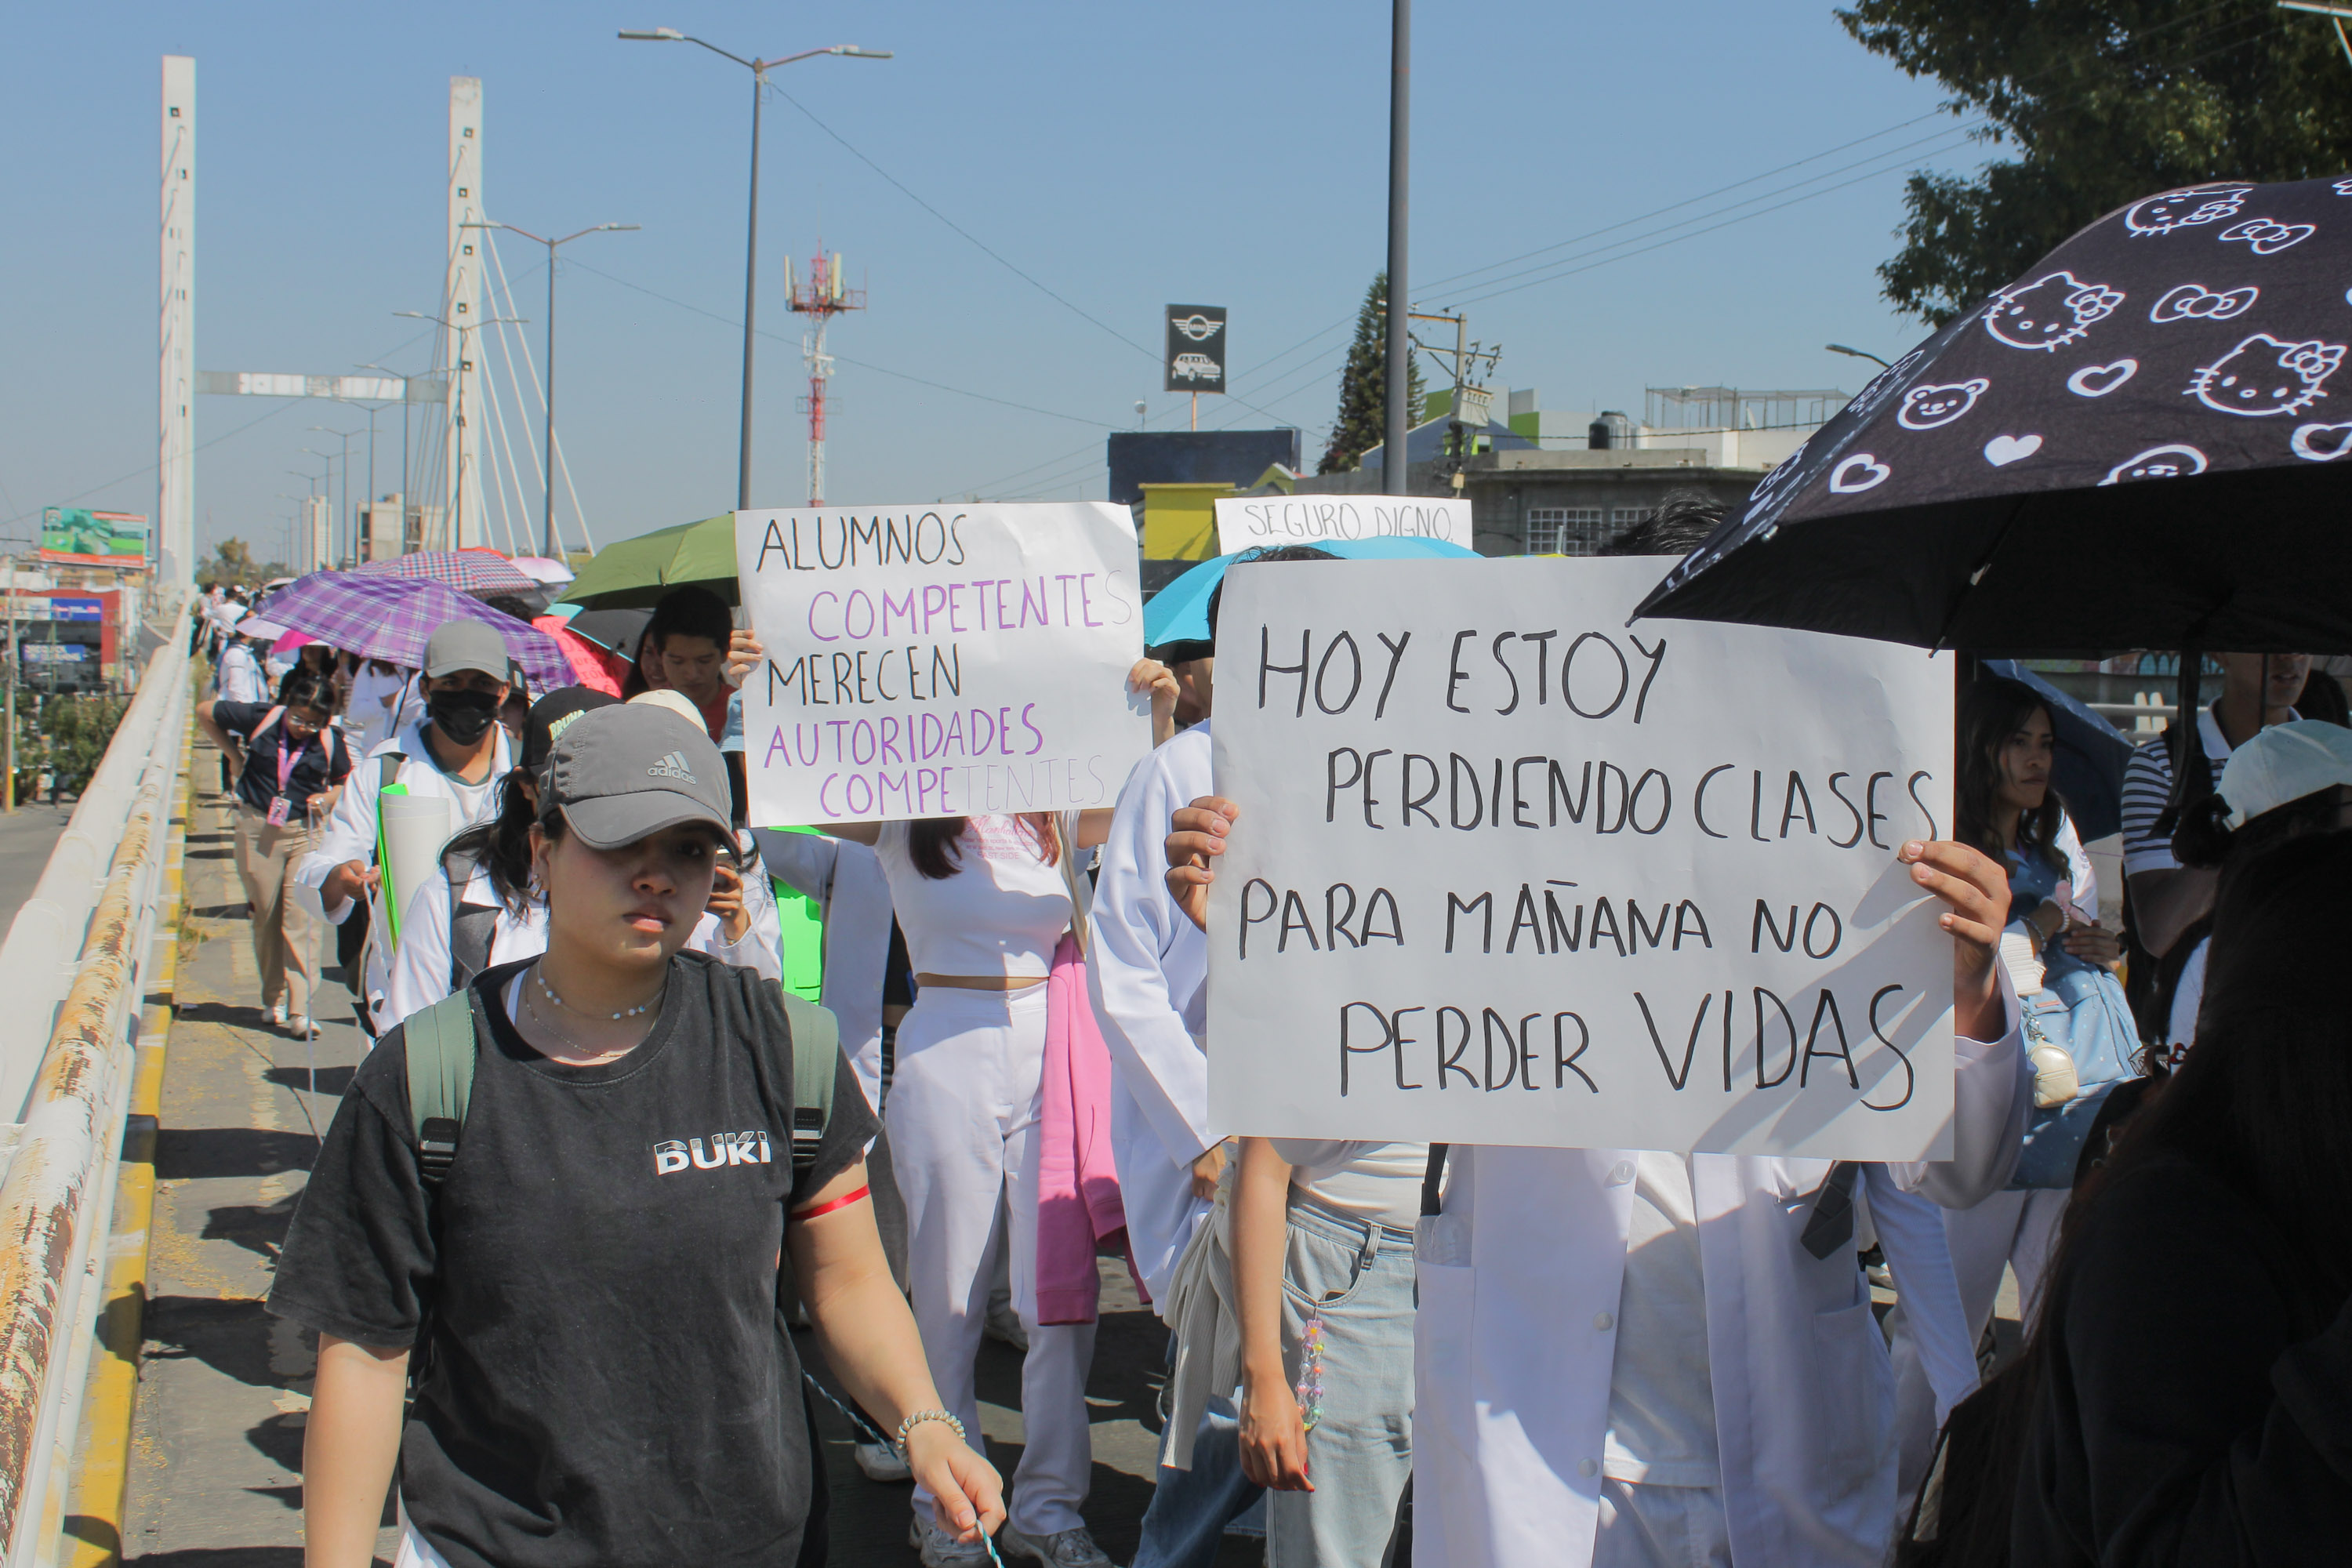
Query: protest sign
x,y
1508,870
940,660
1245,521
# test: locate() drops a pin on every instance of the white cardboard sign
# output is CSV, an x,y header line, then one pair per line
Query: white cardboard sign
x,y
1247,521
940,660
1508,870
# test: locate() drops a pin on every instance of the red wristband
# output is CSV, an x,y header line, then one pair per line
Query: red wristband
x,y
843,1202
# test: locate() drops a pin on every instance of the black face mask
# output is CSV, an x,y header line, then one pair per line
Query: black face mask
x,y
464,716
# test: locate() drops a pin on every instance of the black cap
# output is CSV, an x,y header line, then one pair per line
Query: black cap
x,y
552,714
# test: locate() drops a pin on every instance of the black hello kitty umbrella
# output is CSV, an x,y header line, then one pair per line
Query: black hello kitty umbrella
x,y
2145,441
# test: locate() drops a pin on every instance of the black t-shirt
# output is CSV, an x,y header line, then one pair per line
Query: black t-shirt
x,y
313,773
605,1380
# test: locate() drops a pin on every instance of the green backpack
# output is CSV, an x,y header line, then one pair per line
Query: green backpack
x,y
440,1047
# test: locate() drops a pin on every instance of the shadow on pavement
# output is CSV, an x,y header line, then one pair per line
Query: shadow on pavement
x,y
185,1153
230,1336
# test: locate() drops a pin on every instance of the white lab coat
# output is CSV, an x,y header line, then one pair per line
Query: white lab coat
x,y
420,968
1148,969
368,714
846,879
1520,1278
350,835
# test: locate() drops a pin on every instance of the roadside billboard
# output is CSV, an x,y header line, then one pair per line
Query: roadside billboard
x,y
76,536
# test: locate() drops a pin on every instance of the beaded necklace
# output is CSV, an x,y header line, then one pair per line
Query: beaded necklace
x,y
641,1007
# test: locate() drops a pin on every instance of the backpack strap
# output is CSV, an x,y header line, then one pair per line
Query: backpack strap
x,y
439,1044
816,1060
388,770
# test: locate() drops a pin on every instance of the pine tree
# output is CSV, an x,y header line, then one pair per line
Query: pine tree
x,y
1362,421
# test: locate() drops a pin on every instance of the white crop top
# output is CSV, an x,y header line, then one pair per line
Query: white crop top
x,y
1001,913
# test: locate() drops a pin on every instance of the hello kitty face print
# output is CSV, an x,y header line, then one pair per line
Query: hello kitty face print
x,y
2264,376
2184,209
2050,312
1933,408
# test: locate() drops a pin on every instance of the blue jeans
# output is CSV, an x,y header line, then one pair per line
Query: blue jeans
x,y
1191,1509
1359,1277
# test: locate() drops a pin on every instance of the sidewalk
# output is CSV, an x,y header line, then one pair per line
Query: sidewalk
x,y
217,1438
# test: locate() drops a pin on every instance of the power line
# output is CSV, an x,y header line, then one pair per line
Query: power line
x,y
984,246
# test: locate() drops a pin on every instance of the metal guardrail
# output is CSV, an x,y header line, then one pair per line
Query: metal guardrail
x,y
73,969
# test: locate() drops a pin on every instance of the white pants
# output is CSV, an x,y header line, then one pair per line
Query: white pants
x,y
2014,1228
1660,1527
963,1117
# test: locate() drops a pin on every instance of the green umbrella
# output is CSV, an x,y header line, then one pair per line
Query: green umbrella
x,y
638,572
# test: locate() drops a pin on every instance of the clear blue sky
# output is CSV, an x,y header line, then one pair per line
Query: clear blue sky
x,y
1124,156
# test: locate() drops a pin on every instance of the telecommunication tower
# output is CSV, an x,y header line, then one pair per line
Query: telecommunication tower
x,y
824,296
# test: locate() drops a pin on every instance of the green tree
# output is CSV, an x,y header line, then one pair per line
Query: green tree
x,y
232,562
1362,422
2105,102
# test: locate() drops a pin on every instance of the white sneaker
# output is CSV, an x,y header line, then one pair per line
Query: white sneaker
x,y
298,1025
277,1014
941,1550
880,1462
1071,1548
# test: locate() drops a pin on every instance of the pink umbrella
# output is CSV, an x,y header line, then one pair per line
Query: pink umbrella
x,y
292,641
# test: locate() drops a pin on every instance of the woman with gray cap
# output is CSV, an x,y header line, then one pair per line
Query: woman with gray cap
x,y
586,1267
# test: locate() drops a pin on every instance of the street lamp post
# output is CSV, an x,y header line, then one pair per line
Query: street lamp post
x,y
344,510
547,515
1855,353
457,507
758,69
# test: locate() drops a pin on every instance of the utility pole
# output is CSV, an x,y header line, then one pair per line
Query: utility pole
x,y
1466,356
1395,470
760,69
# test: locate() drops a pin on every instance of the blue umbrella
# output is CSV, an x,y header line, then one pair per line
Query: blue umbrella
x,y
2088,770
1180,612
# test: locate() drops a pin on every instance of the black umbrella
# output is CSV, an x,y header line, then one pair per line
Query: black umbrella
x,y
617,630
2141,442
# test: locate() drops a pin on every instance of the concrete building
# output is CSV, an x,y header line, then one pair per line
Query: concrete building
x,y
1586,478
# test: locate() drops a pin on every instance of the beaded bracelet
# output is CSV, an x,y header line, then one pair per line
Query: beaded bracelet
x,y
916,1419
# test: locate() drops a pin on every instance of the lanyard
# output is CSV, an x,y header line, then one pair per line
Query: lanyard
x,y
287,758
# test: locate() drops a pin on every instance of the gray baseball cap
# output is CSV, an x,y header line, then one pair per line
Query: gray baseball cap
x,y
618,773
462,644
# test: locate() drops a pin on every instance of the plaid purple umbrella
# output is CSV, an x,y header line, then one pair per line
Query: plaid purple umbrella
x,y
387,617
473,572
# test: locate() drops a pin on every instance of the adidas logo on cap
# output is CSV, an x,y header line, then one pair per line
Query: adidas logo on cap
x,y
673,767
